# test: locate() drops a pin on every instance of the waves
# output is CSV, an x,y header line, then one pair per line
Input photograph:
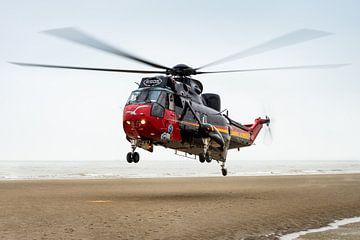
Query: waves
x,y
334,225
13,170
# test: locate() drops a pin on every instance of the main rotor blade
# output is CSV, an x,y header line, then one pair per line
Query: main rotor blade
x,y
325,66
74,35
286,40
86,68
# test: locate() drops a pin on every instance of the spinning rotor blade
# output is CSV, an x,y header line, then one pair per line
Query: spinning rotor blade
x,y
280,68
86,68
268,136
74,35
289,39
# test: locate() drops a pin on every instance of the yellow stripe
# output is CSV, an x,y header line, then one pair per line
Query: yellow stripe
x,y
244,135
223,130
189,123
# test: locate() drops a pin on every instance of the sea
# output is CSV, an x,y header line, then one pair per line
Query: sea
x,y
183,167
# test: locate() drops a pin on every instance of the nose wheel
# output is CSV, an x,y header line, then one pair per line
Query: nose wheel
x,y
133,156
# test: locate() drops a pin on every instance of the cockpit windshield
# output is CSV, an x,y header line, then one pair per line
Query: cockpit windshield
x,y
143,96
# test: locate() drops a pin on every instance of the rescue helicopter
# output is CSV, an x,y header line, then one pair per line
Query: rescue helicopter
x,y
171,109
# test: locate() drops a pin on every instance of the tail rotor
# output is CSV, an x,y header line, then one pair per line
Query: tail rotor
x,y
268,135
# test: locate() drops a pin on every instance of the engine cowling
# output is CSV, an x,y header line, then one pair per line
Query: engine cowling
x,y
212,100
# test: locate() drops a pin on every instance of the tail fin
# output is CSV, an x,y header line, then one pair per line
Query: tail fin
x,y
255,128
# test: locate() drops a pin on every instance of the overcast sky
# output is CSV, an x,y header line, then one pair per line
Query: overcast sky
x,y
50,114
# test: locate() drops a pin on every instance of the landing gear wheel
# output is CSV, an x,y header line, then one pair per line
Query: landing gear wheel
x,y
208,158
202,157
129,157
136,157
224,171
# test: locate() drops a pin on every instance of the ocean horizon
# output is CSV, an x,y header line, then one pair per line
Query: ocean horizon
x,y
108,169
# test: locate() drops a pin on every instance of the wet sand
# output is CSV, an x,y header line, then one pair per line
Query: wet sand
x,y
175,208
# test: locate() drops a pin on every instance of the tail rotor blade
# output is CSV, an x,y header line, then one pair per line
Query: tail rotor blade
x,y
268,136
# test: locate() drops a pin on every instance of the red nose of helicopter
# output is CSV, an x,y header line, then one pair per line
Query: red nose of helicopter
x,y
137,122
149,114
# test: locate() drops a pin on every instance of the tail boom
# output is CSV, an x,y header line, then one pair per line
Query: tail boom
x,y
245,135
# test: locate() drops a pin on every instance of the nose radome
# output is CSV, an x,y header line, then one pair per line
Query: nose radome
x,y
138,122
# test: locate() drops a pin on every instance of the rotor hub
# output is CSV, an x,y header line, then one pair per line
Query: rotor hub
x,y
181,70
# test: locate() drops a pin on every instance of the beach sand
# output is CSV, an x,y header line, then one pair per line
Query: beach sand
x,y
175,208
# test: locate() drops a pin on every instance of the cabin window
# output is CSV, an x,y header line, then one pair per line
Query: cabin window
x,y
203,118
171,102
178,101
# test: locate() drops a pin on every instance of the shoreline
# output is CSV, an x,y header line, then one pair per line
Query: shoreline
x,y
256,207
172,177
29,170
349,231
331,227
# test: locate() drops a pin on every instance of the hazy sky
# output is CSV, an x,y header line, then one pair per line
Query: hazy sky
x,y
76,115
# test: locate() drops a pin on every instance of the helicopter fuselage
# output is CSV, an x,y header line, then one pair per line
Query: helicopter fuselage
x,y
173,113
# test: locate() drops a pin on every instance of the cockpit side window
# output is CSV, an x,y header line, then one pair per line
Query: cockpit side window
x,y
163,100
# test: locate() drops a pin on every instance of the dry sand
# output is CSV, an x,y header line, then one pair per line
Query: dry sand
x,y
175,208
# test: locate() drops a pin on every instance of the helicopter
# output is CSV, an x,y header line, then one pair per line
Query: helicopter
x,y
171,110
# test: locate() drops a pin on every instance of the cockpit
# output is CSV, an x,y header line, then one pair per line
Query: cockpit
x,y
159,98
144,96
